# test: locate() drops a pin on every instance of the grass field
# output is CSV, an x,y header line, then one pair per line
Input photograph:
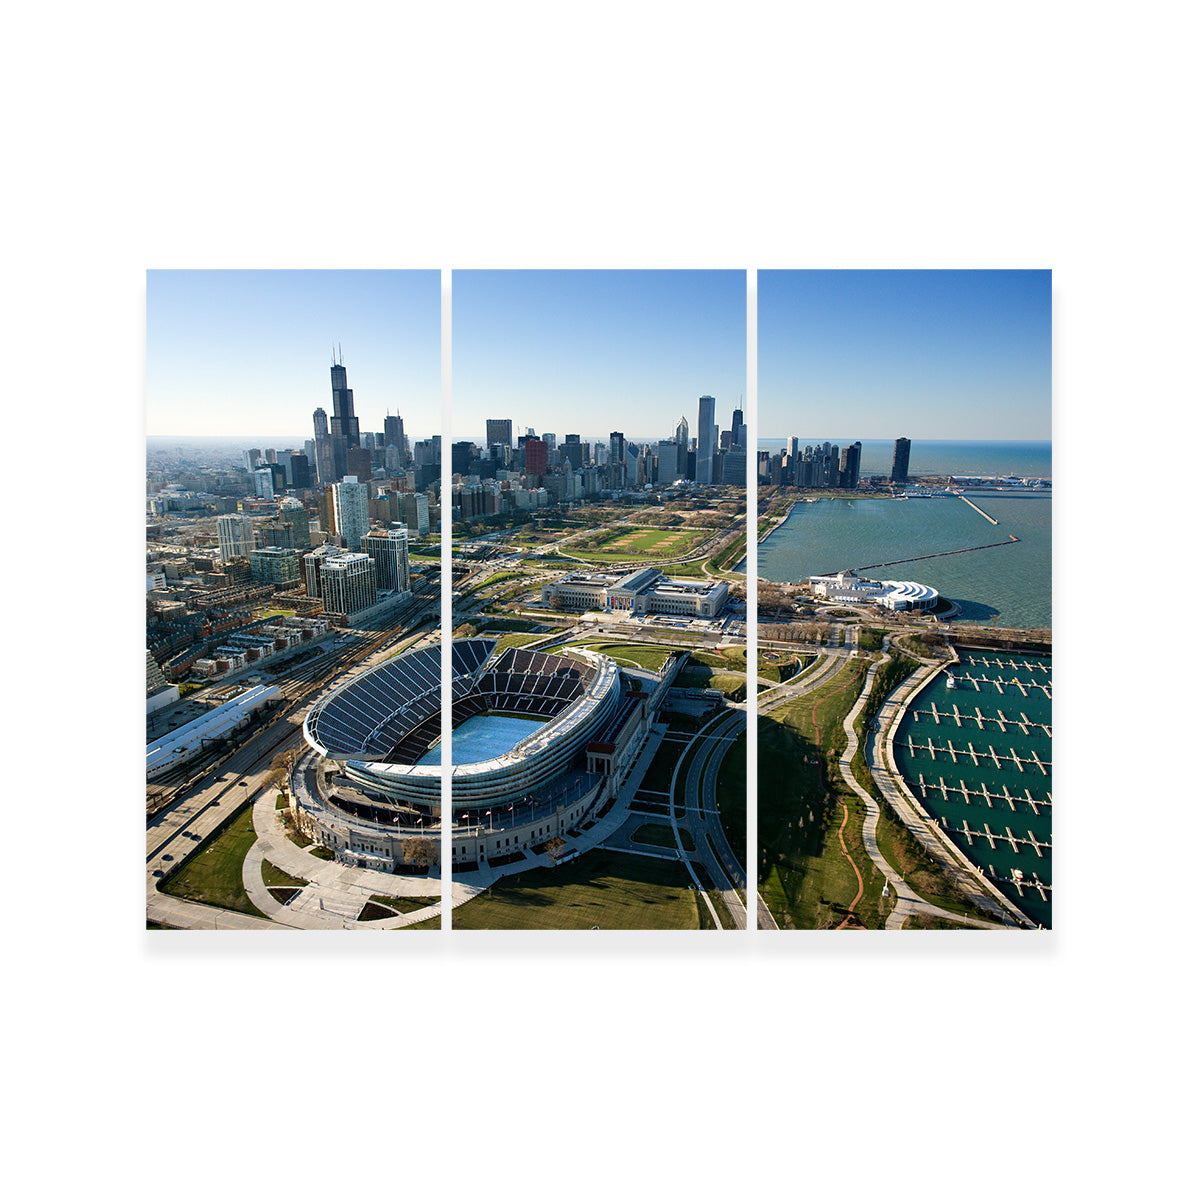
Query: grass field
x,y
650,655
621,545
601,888
213,875
807,881
699,675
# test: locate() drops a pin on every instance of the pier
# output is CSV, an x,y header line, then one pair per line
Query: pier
x,y
981,660
896,562
992,836
951,791
977,508
1025,724
998,760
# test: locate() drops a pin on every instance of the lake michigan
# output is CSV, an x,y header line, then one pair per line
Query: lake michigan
x,y
1006,584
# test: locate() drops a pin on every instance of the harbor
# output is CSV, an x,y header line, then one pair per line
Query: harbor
x,y
982,768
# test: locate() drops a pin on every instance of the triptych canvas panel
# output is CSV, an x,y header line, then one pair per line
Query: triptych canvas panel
x,y
598,600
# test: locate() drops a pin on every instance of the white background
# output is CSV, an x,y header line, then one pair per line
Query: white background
x,y
669,135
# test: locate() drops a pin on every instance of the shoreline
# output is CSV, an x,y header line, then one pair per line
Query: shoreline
x,y
959,621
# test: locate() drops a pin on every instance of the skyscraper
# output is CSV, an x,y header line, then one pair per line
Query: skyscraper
x,y
900,460
293,514
393,433
351,510
738,429
849,466
706,410
499,431
343,423
388,549
536,453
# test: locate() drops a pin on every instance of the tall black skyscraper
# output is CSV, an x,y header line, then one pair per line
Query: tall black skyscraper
x,y
343,424
900,461
850,464
737,436
393,432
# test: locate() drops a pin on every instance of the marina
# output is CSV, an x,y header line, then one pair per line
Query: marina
x,y
983,770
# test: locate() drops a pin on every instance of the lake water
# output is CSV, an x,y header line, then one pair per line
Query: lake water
x,y
1000,749
482,737
1006,584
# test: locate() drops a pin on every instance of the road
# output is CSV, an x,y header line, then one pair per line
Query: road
x,y
218,791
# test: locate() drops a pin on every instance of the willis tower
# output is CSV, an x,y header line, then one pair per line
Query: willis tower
x,y
343,424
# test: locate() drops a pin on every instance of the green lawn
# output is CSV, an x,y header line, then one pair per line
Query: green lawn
x,y
701,676
405,904
649,655
622,545
601,888
806,880
274,876
504,640
213,875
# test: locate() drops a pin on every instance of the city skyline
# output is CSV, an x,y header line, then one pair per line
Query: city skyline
x,y
246,354
588,352
932,355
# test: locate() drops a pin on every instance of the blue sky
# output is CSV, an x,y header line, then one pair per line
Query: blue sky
x,y
919,354
592,351
247,353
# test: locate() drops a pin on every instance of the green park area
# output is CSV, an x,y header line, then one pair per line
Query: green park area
x,y
630,543
601,888
648,655
213,874
806,812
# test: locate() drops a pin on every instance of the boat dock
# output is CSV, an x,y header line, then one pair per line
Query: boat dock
x,y
1025,724
950,792
998,759
993,836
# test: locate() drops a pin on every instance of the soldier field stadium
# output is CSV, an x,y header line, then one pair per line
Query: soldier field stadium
x,y
540,744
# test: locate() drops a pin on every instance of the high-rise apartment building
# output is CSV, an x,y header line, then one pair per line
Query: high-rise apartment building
x,y
388,550
706,410
312,568
347,583
293,514
849,466
900,460
351,510
414,512
274,564
235,536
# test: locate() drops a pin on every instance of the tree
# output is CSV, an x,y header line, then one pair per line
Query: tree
x,y
280,773
418,852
